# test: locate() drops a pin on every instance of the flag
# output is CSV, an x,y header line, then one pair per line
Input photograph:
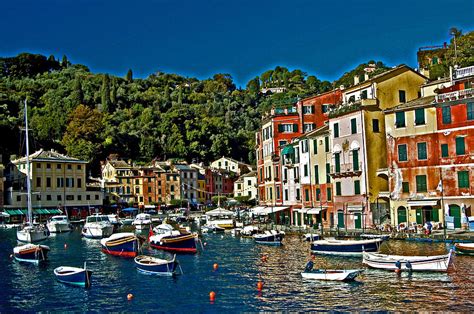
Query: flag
x,y
150,233
440,186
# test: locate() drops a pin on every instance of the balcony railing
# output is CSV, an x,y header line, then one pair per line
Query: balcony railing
x,y
346,170
461,94
463,72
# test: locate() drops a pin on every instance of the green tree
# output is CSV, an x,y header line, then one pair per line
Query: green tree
x,y
105,93
77,96
461,54
129,76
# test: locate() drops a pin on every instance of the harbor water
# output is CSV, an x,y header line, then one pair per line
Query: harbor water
x,y
27,287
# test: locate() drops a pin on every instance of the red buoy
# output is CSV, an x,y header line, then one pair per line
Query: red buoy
x,y
215,266
398,270
259,286
212,296
129,296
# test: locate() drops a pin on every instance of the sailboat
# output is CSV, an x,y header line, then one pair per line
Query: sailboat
x,y
29,232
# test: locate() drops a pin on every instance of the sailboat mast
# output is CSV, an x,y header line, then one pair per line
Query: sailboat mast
x,y
28,174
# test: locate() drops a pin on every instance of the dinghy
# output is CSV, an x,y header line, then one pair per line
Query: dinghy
x,y
345,247
410,263
31,253
272,237
157,266
464,248
74,275
329,274
123,244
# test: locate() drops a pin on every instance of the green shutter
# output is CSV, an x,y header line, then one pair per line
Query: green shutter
x,y
353,126
470,110
326,144
357,187
446,113
338,188
355,160
402,152
280,128
316,174
329,195
463,179
444,150
328,170
400,119
435,214
295,128
315,146
460,147
406,187
336,130
337,160
421,183
419,116
318,194
422,154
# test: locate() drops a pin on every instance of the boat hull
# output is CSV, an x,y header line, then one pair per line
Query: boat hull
x,y
126,246
438,263
73,276
58,227
156,266
464,249
270,238
31,253
331,275
94,232
32,234
345,247
180,243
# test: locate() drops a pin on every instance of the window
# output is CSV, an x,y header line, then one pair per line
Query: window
x,y
278,192
282,143
363,95
329,195
318,194
69,167
421,183
315,146
355,160
356,187
288,128
58,166
419,116
375,125
306,195
88,197
336,130
446,113
79,167
353,126
79,182
470,110
249,182
79,197
48,197
308,127
463,179
308,109
338,188
305,170
422,154
58,197
402,152
149,189
18,198
69,197
304,146
337,162
326,144
38,182
48,166
59,182
460,146
97,197
328,171
406,187
316,174
38,166
400,119
286,194
444,150
298,194
402,96
48,182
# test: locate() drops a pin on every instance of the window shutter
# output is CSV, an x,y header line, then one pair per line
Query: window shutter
x,y
295,127
312,109
280,128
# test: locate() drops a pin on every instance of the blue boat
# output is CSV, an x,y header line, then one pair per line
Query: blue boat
x,y
345,247
123,244
271,237
168,239
31,253
74,275
157,266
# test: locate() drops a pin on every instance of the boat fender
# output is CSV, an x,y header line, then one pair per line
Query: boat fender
x,y
398,264
409,266
309,266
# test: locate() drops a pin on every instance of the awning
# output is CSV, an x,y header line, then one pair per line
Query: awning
x,y
258,210
4,214
36,211
289,149
355,208
274,209
129,209
418,203
219,212
150,206
313,211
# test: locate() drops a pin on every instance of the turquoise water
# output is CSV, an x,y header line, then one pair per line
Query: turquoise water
x,y
29,287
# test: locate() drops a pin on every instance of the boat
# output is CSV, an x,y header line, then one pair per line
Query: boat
x,y
311,237
157,266
142,221
123,244
30,232
165,237
271,237
74,275
345,247
332,274
464,248
59,224
97,226
126,221
411,263
114,220
220,217
375,236
31,253
212,228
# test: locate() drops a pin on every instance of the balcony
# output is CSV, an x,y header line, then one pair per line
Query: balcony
x,y
463,73
457,95
346,170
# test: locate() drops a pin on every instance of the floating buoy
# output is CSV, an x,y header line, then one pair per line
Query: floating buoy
x,y
11,255
129,296
313,256
212,296
264,258
215,266
65,245
398,270
259,286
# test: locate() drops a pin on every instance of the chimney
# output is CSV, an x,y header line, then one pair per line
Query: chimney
x,y
356,79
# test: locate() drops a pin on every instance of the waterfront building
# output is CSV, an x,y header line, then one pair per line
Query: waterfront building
x,y
246,185
189,182
2,179
231,165
359,163
219,182
112,170
57,181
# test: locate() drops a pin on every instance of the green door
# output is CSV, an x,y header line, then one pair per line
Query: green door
x,y
295,214
358,220
402,214
435,214
299,219
419,216
340,219
455,211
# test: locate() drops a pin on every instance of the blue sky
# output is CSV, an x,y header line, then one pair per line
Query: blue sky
x,y
243,38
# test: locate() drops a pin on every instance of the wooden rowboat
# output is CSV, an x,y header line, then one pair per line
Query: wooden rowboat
x,y
332,274
410,263
74,275
157,266
464,248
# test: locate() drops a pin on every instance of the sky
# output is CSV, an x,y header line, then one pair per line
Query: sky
x,y
244,38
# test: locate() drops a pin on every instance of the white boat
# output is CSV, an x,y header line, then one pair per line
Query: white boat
x,y
30,232
410,263
270,237
97,226
142,221
345,247
126,221
220,217
59,223
114,220
332,274
31,253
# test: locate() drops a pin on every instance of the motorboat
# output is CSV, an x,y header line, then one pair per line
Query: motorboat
x,y
165,237
156,266
409,263
125,244
74,275
97,226
310,237
57,224
31,253
271,237
220,217
114,220
464,248
127,221
142,221
345,247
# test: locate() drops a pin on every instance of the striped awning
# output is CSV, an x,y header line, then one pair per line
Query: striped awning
x,y
36,211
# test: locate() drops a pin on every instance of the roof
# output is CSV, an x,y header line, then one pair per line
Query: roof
x,y
219,212
119,164
233,160
417,103
319,131
184,167
252,173
49,155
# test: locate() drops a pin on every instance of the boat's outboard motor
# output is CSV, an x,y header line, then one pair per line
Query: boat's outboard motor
x,y
309,266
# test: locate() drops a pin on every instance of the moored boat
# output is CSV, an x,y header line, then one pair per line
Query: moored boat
x,y
221,218
345,247
57,224
271,237
411,263
165,237
311,237
157,266
31,253
464,248
331,274
97,226
74,275
142,221
123,244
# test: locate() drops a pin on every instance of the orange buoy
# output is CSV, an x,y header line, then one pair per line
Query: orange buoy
x,y
129,296
65,245
259,286
212,296
313,256
264,258
215,266
398,270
